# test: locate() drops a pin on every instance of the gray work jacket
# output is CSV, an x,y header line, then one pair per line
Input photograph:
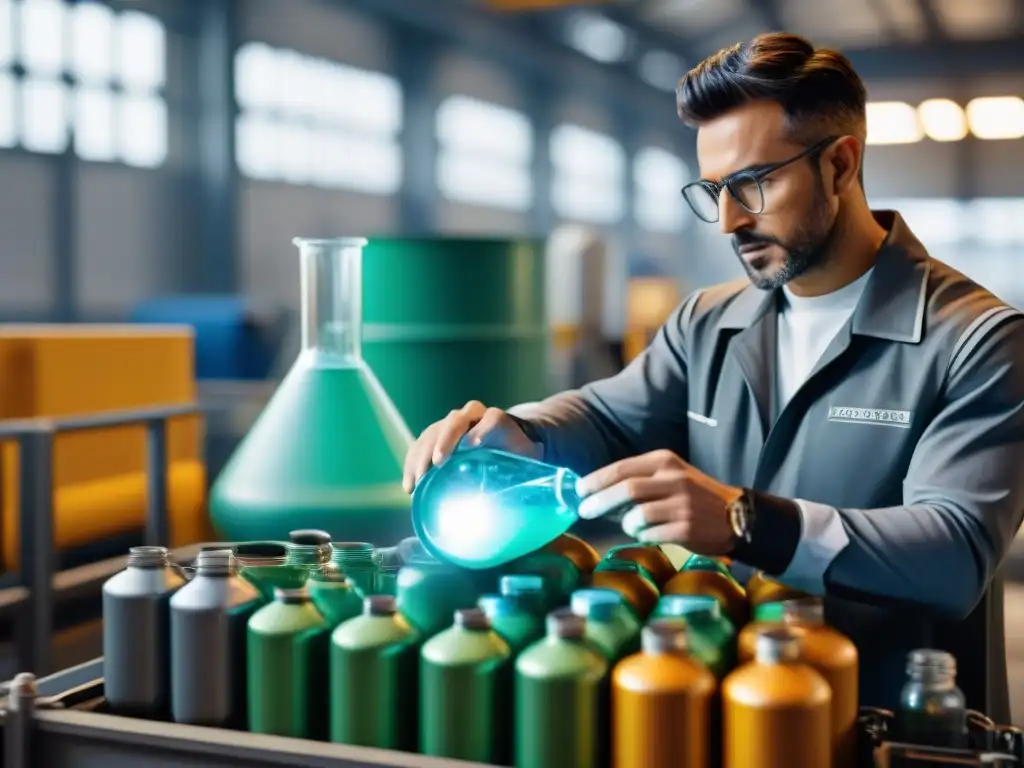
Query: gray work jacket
x,y
911,424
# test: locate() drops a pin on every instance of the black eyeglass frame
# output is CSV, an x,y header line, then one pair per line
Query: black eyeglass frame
x,y
714,188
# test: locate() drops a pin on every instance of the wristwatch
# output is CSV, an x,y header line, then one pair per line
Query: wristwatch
x,y
742,516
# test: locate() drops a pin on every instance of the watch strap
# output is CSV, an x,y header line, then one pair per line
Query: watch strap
x,y
773,528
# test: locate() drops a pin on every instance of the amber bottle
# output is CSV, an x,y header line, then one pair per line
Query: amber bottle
x,y
649,556
716,585
831,653
761,589
661,703
627,578
776,708
583,556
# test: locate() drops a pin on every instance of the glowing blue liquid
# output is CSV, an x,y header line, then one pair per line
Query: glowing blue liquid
x,y
485,508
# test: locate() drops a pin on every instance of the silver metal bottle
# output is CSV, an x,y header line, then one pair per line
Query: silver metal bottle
x,y
208,623
136,625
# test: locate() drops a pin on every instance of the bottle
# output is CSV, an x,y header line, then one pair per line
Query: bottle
x,y
627,579
517,614
483,507
358,561
269,578
559,573
612,625
776,709
208,644
429,593
932,710
327,451
558,698
260,553
761,590
374,678
650,556
711,636
335,596
701,563
583,556
829,652
714,584
136,624
464,692
309,548
287,667
661,703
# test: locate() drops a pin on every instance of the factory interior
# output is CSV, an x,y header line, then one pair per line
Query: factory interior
x,y
516,167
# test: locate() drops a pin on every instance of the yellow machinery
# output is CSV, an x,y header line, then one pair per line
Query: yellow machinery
x,y
649,302
98,476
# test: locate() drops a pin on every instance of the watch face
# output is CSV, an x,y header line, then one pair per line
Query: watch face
x,y
738,518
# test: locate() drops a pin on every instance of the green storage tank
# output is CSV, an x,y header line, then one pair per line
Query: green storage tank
x,y
448,320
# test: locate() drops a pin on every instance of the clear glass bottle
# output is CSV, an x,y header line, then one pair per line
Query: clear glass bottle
x,y
309,548
932,709
358,561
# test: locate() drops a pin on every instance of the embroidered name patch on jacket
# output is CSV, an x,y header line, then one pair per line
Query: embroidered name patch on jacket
x,y
882,416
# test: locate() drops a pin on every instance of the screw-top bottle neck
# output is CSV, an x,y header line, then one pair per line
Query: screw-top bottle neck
x,y
690,606
809,611
516,585
664,636
332,311
932,667
473,619
148,557
595,604
380,605
353,554
260,553
309,547
291,596
213,562
778,645
563,624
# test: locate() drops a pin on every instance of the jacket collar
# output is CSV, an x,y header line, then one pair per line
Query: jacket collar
x,y
893,303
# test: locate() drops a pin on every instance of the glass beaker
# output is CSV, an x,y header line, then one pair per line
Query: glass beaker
x,y
327,450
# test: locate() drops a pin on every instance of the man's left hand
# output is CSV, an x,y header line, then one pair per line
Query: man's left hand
x,y
671,501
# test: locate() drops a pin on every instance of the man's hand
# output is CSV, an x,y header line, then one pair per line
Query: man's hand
x,y
671,501
474,424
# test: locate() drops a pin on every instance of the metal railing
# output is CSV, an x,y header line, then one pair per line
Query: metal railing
x,y
35,438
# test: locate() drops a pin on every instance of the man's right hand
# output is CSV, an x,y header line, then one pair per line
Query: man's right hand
x,y
472,424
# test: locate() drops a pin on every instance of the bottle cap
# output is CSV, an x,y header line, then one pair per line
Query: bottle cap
x,y
308,537
260,551
621,566
689,605
665,636
778,645
520,584
494,605
472,618
284,595
595,604
353,553
148,557
930,664
214,562
380,605
804,610
565,624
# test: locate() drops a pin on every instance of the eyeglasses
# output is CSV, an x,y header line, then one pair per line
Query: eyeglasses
x,y
743,186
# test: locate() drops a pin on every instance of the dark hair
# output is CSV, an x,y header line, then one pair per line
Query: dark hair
x,y
818,89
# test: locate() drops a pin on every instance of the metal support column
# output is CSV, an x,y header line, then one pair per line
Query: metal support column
x,y
542,99
65,241
35,629
157,534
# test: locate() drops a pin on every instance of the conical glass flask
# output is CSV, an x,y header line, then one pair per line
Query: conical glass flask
x,y
327,450
483,508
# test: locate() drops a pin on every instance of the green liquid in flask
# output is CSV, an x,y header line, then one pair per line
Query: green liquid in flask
x,y
328,449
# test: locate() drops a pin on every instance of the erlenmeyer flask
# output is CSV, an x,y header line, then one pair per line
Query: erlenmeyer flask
x,y
327,450
483,507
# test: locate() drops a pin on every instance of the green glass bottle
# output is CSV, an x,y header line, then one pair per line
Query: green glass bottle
x,y
429,593
560,575
309,548
465,692
612,625
517,614
650,556
711,636
374,678
358,561
702,563
559,701
335,596
287,667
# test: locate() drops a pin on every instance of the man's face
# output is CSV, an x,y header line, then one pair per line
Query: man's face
x,y
792,235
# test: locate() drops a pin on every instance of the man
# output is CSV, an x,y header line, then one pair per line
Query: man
x,y
849,420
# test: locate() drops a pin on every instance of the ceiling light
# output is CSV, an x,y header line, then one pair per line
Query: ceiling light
x,y
595,36
661,69
893,122
942,119
996,117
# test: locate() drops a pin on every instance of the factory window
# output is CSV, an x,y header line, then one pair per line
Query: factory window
x,y
588,175
485,153
658,178
305,120
81,70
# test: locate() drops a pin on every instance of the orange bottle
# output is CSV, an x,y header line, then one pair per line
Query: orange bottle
x,y
716,585
583,556
627,579
761,589
648,556
831,653
661,703
776,709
